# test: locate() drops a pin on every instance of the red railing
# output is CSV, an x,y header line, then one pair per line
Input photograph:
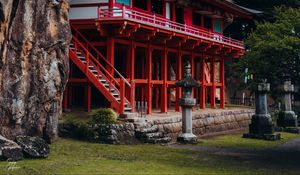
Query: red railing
x,y
124,12
103,72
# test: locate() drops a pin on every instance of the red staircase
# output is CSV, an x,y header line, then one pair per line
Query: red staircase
x,y
101,73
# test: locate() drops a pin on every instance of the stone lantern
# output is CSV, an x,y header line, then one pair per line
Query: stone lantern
x,y
261,126
287,117
187,102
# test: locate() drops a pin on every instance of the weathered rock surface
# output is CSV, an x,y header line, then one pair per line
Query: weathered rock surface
x,y
10,150
34,44
33,147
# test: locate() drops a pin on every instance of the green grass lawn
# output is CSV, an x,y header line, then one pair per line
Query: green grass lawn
x,y
78,157
236,142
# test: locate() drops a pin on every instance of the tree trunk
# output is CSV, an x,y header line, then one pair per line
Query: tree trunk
x,y
34,66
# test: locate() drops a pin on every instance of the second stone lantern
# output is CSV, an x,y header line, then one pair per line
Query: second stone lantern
x,y
187,102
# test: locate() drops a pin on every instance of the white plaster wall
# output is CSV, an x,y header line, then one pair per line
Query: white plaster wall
x,y
87,1
83,13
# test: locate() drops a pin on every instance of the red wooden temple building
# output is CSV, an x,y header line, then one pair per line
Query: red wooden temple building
x,y
124,51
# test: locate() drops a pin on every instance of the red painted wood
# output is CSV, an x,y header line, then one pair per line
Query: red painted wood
x,y
203,87
164,75
101,70
179,77
122,96
173,11
213,87
132,51
110,53
132,99
149,76
149,5
192,62
155,21
222,80
188,16
111,3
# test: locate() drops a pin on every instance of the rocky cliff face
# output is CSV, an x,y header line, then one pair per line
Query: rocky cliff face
x,y
34,67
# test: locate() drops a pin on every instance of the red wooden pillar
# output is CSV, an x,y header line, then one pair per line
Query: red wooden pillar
x,y
179,77
88,97
65,99
164,75
111,3
122,96
173,12
193,68
149,5
110,53
132,99
149,76
130,60
222,80
203,85
213,83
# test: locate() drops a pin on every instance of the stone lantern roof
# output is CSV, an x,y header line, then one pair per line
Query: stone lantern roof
x,y
187,81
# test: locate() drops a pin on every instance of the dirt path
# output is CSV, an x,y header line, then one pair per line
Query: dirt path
x,y
286,156
292,145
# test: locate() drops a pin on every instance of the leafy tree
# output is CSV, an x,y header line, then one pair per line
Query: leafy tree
x,y
273,50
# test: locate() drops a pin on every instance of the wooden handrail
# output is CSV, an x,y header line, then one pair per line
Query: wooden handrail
x,y
99,54
95,62
129,13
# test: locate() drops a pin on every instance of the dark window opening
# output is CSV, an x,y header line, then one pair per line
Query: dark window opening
x,y
179,15
125,2
157,6
140,4
197,19
207,22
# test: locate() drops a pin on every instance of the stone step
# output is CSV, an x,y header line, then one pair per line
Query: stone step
x,y
146,130
154,135
159,140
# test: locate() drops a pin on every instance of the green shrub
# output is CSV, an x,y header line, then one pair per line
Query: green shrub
x,y
104,116
78,129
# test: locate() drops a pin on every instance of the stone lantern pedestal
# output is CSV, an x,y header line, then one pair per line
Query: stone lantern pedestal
x,y
261,126
187,103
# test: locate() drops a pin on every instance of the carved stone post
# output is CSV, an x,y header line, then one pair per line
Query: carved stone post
x,y
261,126
187,102
287,117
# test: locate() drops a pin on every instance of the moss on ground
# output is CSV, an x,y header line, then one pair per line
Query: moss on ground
x,y
78,157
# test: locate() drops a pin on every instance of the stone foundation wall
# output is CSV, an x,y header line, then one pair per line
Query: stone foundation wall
x,y
109,134
207,123
115,133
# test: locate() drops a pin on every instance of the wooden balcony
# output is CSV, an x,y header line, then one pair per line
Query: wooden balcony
x,y
159,22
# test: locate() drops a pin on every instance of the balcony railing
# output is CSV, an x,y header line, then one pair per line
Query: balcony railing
x,y
130,14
